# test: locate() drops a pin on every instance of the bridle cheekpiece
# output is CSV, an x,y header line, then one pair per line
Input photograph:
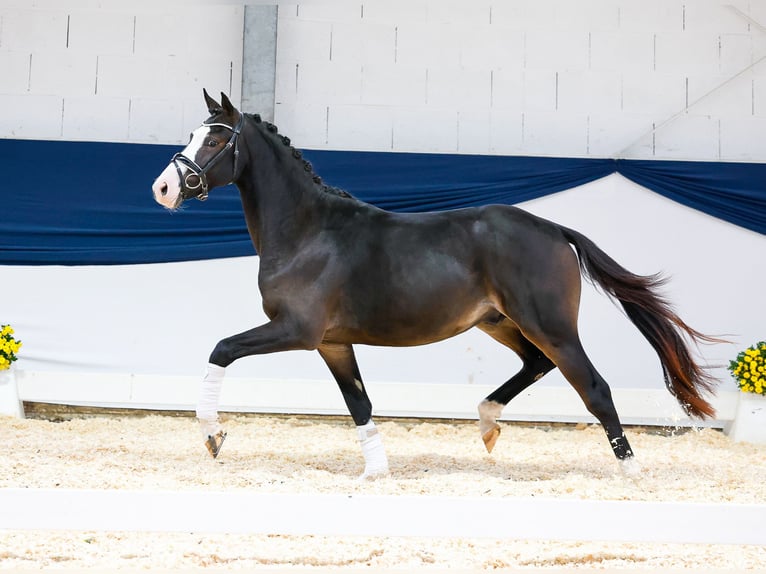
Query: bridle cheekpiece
x,y
200,188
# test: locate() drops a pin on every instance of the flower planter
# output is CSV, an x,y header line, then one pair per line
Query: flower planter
x,y
10,404
750,421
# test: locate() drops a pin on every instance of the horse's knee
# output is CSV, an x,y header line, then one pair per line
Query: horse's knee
x,y
222,353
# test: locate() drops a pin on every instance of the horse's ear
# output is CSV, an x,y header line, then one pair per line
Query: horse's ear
x,y
228,107
212,106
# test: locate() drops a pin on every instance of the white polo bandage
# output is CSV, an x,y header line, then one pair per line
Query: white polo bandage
x,y
375,460
210,392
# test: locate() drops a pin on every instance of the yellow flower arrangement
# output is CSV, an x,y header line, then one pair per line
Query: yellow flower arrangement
x,y
749,370
8,347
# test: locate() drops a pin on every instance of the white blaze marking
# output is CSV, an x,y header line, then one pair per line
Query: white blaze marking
x,y
168,180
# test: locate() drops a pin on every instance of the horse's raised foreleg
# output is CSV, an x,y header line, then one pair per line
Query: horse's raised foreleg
x,y
207,409
269,338
342,364
535,365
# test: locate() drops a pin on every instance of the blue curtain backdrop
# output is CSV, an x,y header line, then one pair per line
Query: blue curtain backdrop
x,y
83,203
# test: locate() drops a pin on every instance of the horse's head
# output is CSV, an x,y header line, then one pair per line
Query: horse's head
x,y
210,160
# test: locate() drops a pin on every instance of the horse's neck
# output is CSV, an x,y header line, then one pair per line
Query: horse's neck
x,y
280,203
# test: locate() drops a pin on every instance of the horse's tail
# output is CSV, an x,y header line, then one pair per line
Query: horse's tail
x,y
655,318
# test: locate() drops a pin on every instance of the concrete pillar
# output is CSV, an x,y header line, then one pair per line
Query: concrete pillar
x,y
259,60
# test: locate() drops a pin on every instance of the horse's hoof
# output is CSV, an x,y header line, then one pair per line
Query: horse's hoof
x,y
490,437
630,467
214,443
373,474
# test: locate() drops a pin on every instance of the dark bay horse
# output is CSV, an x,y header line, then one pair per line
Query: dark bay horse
x,y
335,271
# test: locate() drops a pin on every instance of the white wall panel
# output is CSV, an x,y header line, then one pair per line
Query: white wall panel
x,y
759,96
159,33
458,87
558,50
428,44
328,11
95,118
525,15
589,91
425,129
152,119
396,11
736,53
473,130
15,68
98,32
759,52
285,84
540,90
115,55
555,133
508,89
689,137
305,125
30,116
394,85
459,12
736,148
704,16
363,43
621,50
302,40
329,82
661,95
586,15
653,16
687,53
360,127
505,132
31,30
492,47
721,96
50,71
611,133
539,56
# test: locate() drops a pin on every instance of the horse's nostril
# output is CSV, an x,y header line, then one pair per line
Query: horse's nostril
x,y
164,189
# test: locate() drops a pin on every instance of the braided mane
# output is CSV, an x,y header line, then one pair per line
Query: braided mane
x,y
298,155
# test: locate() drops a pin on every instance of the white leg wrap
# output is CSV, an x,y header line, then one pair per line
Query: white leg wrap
x,y
207,407
489,412
630,467
375,460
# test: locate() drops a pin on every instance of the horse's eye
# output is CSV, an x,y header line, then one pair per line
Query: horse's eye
x,y
212,143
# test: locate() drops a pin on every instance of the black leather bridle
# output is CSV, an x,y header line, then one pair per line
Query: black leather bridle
x,y
200,188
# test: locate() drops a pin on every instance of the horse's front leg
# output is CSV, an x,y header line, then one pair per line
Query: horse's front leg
x,y
342,363
275,336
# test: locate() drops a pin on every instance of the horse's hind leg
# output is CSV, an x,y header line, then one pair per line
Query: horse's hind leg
x,y
562,345
342,364
535,365
545,308
595,393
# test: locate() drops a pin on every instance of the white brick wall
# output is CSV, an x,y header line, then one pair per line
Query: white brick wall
x,y
114,74
539,77
549,77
